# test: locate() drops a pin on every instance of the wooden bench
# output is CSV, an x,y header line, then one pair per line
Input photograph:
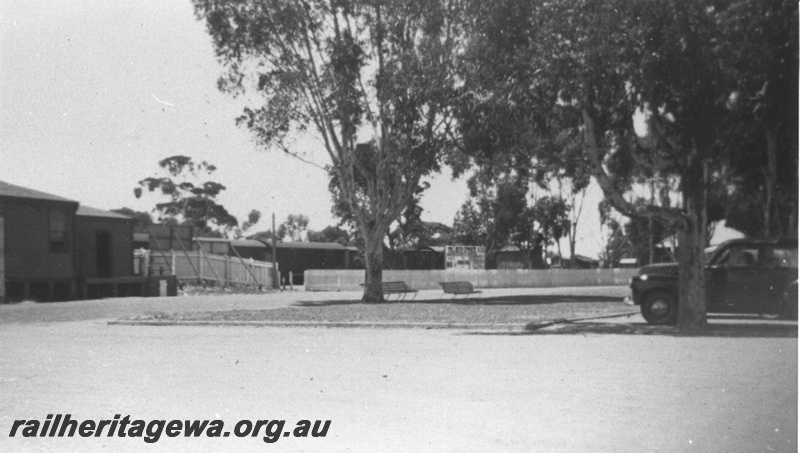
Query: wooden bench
x,y
400,288
456,288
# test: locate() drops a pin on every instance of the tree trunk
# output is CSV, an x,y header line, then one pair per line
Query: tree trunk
x,y
691,281
770,181
560,255
572,240
373,272
526,257
691,256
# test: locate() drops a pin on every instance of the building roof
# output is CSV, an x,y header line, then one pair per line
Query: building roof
x,y
235,242
313,246
426,248
10,190
86,211
248,243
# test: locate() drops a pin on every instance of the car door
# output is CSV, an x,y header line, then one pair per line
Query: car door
x,y
743,290
779,269
716,283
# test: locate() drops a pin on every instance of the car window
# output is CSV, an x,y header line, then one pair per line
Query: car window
x,y
723,258
743,257
782,257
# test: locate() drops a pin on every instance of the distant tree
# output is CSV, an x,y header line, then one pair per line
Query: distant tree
x,y
191,201
516,219
551,217
330,234
143,219
643,235
294,228
409,230
571,190
252,219
470,225
435,234
616,246
478,221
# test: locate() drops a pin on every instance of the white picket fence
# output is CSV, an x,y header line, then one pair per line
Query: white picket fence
x,y
222,269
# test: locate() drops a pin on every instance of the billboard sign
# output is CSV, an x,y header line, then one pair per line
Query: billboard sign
x,y
459,257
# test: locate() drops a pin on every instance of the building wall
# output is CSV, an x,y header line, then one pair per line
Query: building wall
x,y
423,259
347,280
256,253
121,235
299,260
27,241
227,248
516,260
212,247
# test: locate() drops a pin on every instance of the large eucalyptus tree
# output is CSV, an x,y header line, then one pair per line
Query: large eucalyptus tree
x,y
371,78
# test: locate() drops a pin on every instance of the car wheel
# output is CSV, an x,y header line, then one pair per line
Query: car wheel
x,y
660,308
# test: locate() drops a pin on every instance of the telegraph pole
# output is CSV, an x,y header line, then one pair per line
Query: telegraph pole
x,y
276,284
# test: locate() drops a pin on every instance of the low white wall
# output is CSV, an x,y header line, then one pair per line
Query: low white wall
x,y
349,280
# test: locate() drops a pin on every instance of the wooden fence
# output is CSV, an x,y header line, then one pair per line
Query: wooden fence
x,y
222,269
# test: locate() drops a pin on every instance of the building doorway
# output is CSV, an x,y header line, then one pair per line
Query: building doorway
x,y
103,251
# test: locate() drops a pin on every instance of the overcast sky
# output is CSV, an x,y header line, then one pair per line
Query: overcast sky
x,y
93,93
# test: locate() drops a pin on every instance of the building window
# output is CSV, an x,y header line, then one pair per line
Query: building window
x,y
58,231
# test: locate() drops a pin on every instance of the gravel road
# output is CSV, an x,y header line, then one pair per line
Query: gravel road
x,y
397,390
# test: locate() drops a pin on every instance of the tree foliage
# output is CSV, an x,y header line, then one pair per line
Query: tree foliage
x,y
576,72
330,234
294,228
551,216
761,39
375,74
190,200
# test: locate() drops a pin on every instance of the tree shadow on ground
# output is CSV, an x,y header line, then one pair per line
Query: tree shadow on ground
x,y
500,300
738,329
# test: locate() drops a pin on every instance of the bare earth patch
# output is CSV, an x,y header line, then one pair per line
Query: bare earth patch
x,y
502,311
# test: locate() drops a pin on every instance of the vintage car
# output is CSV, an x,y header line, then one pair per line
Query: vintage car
x,y
757,276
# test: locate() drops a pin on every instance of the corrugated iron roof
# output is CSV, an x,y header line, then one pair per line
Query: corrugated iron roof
x,y
87,211
312,245
10,190
247,243
218,240
235,242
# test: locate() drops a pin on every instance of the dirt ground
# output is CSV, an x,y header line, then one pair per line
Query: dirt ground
x,y
394,389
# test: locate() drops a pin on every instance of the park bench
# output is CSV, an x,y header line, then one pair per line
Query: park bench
x,y
456,288
400,288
